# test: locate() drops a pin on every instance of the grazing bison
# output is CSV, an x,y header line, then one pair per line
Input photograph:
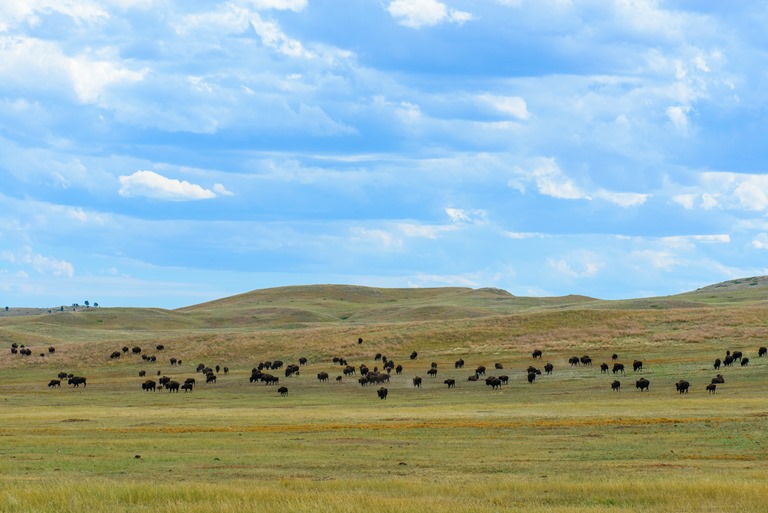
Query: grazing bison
x,y
432,372
173,361
504,379
201,366
51,349
283,390
614,357
533,369
399,369
414,355
493,382
618,367
603,368
54,383
531,377
210,378
480,371
573,360
76,381
142,373
360,340
459,364
536,354
450,382
62,375
125,349
159,347
736,355
303,361
711,388
637,365
417,382
762,351
548,368
115,354
744,362
136,350
682,386
187,387
718,379
728,361
382,392
717,363
586,360
377,357
149,385
349,370
322,376
616,385
173,386
642,384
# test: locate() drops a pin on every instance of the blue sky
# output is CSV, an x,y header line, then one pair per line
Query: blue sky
x,y
169,152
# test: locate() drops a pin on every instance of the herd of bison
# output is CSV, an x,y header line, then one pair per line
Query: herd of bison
x,y
379,374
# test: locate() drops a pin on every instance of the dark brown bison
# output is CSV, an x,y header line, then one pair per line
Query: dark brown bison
x,y
399,369
51,349
414,355
603,368
283,390
762,351
744,362
432,372
382,392
62,375
736,355
498,366
573,360
637,365
586,360
616,385
618,367
682,386
360,340
614,357
159,347
136,350
349,370
458,364
187,387
189,381
303,361
717,363
322,376
76,381
642,384
718,379
493,382
536,354
450,382
711,388
417,382
474,377
377,357
728,361
115,354
125,349
548,368
142,373
480,371
149,385
531,377
54,383
173,386
504,379
173,361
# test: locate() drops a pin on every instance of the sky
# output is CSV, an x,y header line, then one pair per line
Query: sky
x,y
164,153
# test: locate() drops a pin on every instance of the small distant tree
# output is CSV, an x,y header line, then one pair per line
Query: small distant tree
x,y
87,304
95,305
62,309
6,308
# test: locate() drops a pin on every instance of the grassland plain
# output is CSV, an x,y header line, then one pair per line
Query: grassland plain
x,y
566,443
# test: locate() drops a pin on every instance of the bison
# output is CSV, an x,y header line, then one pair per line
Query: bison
x,y
498,366
474,377
717,363
172,386
637,365
417,382
136,350
642,384
614,357
76,381
458,364
536,354
573,360
149,385
761,352
302,361
382,392
450,382
480,371
718,379
711,388
283,390
142,373
187,387
603,368
548,368
616,385
322,376
618,367
744,362
586,360
531,377
682,386
432,372
54,383
414,355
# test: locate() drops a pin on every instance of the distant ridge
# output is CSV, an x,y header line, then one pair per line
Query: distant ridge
x,y
740,283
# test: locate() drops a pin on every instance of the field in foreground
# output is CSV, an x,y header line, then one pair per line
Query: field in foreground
x,y
565,443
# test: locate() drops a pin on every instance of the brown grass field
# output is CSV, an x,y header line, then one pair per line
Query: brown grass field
x,y
566,443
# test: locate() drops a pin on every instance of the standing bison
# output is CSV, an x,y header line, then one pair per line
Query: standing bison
x,y
573,360
382,393
458,364
711,388
603,368
417,382
618,367
682,386
322,376
548,368
616,385
76,381
642,384
450,382
762,351
54,383
149,385
283,391
536,354
637,365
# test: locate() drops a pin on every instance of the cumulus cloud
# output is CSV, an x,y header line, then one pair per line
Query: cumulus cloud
x,y
663,260
551,181
760,241
467,216
726,191
39,263
511,105
425,13
582,265
622,199
152,185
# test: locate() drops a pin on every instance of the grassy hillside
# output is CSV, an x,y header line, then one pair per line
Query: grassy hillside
x,y
566,443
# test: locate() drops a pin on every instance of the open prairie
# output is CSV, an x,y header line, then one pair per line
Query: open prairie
x,y
565,443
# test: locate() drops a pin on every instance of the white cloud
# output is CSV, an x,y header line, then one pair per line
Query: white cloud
x,y
512,105
380,238
662,260
678,114
39,263
421,13
153,185
524,235
434,280
551,181
760,241
623,199
473,216
583,265
280,5
16,12
687,201
221,190
421,230
719,238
